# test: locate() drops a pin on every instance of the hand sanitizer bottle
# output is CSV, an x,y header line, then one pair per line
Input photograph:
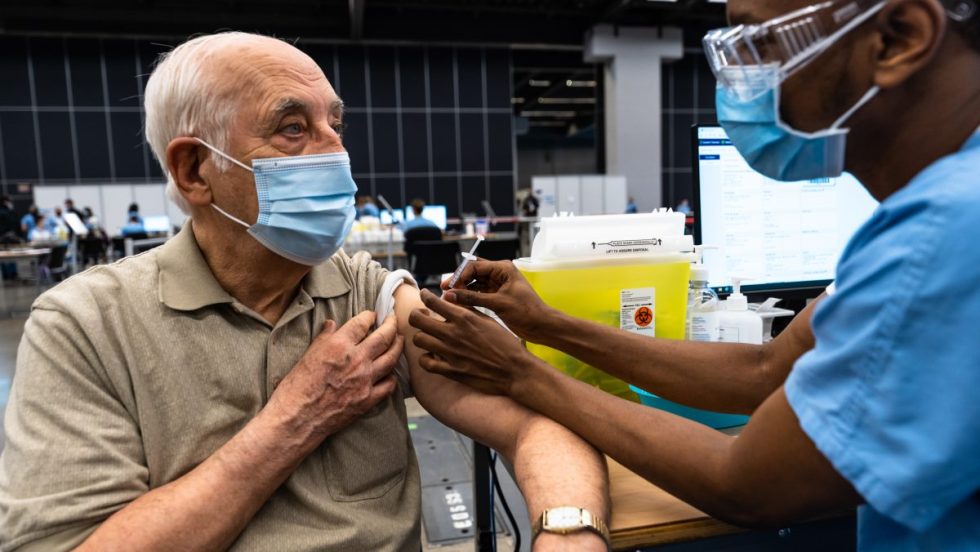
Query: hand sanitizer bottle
x,y
737,324
702,303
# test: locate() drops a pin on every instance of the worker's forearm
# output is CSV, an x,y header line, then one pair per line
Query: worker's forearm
x,y
555,467
207,508
726,377
685,458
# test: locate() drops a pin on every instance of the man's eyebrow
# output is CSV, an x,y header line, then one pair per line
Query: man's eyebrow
x,y
288,104
337,106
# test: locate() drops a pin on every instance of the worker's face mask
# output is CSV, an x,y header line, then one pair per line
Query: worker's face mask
x,y
306,204
752,61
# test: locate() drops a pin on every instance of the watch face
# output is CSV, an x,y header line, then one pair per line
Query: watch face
x,y
564,518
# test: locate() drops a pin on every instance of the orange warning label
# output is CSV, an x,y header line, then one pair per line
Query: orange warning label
x,y
637,311
643,317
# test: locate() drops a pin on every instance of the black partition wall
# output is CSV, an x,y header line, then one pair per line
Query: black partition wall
x,y
688,93
432,122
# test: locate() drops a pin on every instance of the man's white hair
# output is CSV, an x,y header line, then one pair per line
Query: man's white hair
x,y
180,100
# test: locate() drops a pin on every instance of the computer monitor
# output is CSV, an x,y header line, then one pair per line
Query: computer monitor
x,y
782,235
156,225
435,213
386,216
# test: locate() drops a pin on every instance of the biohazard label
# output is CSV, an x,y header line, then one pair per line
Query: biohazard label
x,y
637,310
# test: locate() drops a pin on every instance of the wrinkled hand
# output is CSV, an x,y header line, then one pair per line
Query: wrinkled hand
x,y
345,373
468,346
500,287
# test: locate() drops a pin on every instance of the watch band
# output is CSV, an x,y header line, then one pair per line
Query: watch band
x,y
565,520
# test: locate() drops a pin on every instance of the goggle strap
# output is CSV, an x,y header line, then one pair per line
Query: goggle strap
x,y
827,42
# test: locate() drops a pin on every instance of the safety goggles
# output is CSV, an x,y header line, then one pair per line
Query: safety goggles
x,y
788,42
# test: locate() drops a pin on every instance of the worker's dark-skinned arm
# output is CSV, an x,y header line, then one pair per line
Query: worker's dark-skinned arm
x,y
772,474
726,377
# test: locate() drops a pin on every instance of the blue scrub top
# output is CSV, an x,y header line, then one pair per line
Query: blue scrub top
x,y
369,210
132,228
417,222
890,393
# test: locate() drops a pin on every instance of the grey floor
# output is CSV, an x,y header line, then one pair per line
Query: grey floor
x,y
15,302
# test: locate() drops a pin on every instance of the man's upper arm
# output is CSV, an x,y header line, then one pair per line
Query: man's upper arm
x,y
453,403
73,454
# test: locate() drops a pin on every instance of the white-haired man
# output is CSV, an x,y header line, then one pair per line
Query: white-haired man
x,y
226,390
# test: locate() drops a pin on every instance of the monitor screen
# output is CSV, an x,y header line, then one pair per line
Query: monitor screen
x,y
386,216
435,213
781,235
154,225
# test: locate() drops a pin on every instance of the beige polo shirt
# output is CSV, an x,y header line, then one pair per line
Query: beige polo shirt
x,y
129,375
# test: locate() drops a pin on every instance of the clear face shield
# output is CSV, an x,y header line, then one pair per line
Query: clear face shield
x,y
786,43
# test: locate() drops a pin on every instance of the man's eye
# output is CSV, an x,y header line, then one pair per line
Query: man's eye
x,y
294,128
339,129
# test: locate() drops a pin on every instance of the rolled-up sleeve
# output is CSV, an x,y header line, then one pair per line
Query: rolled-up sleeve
x,y
889,393
73,454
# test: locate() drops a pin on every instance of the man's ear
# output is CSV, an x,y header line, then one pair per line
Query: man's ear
x,y
910,34
184,162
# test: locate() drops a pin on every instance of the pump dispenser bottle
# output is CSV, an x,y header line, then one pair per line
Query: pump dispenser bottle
x,y
737,324
702,302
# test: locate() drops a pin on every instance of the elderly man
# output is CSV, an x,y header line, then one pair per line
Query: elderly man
x,y
226,390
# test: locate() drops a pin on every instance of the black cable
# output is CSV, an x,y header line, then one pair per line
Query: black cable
x,y
503,501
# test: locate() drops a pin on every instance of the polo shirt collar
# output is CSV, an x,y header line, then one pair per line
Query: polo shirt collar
x,y
187,283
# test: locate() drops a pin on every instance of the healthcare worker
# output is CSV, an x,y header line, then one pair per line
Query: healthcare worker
x,y
870,397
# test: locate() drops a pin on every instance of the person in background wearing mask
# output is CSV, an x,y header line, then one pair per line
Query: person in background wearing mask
x,y
366,207
134,226
8,219
134,211
70,208
55,220
868,398
29,221
631,208
241,386
40,232
9,227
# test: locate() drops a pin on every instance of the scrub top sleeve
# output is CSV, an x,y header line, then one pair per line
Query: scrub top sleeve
x,y
888,394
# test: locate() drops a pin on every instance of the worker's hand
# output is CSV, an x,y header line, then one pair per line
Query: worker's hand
x,y
500,287
468,346
345,373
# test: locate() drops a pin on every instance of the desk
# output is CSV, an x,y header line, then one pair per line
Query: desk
x,y
32,254
644,516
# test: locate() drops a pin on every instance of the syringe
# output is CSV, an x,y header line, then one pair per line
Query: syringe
x,y
467,257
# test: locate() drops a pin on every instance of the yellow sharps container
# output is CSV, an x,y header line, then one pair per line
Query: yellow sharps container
x,y
626,271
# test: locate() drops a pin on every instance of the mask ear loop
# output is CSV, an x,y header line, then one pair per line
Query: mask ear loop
x,y
864,99
240,164
225,155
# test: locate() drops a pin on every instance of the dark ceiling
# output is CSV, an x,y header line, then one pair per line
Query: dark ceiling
x,y
555,92
493,21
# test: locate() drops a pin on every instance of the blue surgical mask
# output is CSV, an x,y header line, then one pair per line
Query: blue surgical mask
x,y
769,145
306,204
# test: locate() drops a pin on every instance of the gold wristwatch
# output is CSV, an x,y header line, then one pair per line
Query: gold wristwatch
x,y
570,519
